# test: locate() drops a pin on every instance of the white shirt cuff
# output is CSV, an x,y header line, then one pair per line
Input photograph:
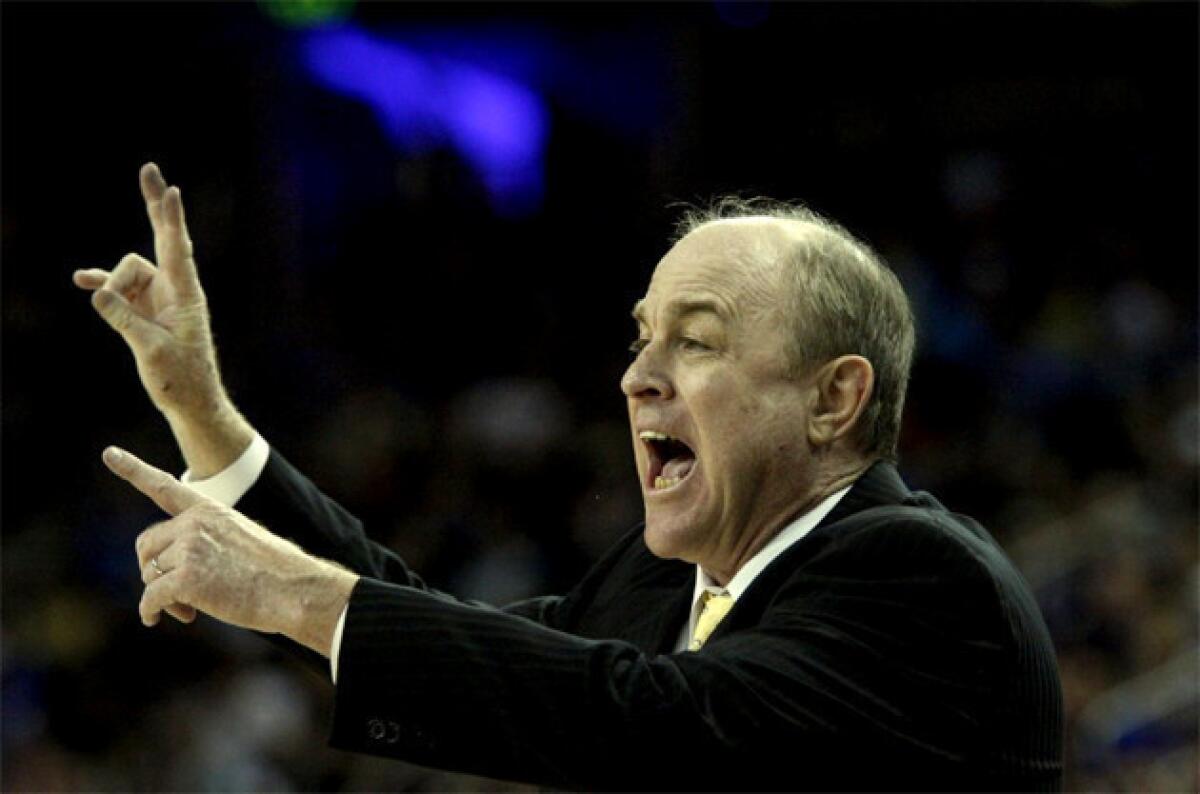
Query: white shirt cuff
x,y
231,484
336,647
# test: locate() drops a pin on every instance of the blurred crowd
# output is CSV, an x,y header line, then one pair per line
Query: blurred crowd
x,y
467,410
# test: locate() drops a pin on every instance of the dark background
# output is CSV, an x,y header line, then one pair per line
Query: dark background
x,y
442,355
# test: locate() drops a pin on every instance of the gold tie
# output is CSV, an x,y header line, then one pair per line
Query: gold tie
x,y
713,608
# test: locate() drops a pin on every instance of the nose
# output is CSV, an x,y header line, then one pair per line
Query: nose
x,y
645,379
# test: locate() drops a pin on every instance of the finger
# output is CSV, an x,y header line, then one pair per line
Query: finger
x,y
159,595
150,573
91,278
149,554
163,489
131,275
138,332
155,543
182,612
176,255
153,186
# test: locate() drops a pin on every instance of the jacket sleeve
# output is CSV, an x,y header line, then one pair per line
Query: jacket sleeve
x,y
288,504
886,642
291,506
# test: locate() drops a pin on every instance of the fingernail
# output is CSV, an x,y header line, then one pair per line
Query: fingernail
x,y
113,456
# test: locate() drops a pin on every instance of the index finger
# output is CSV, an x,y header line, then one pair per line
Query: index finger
x,y
153,187
163,489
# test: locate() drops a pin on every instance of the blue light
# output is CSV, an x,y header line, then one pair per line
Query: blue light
x,y
422,100
500,127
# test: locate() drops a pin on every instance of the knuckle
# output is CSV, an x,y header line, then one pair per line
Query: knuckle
x,y
200,512
214,523
191,548
117,314
199,520
161,486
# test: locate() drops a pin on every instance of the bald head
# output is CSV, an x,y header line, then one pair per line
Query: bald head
x,y
748,255
834,292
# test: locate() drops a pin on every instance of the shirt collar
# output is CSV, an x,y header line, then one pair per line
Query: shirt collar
x,y
777,545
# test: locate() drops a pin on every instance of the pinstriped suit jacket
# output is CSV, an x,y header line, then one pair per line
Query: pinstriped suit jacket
x,y
894,648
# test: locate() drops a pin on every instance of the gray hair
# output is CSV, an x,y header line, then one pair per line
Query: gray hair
x,y
844,300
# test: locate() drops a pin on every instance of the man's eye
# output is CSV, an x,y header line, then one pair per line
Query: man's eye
x,y
638,345
690,343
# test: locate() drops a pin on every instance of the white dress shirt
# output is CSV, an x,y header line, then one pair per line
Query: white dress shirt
x,y
232,483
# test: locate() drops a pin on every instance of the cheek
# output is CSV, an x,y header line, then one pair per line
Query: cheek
x,y
735,440
742,437
732,415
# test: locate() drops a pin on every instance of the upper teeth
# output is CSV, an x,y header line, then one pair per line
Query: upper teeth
x,y
653,435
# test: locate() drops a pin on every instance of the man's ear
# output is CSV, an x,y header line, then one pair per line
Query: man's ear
x,y
843,387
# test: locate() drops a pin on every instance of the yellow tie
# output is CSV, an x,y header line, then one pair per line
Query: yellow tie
x,y
713,608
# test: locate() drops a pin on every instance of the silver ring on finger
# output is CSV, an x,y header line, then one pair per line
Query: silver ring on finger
x,y
154,564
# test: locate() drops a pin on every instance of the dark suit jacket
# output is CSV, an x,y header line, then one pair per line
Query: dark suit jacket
x,y
893,648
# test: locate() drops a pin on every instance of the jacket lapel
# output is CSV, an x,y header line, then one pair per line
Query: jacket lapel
x,y
879,485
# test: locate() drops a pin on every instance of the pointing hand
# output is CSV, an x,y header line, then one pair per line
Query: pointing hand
x,y
211,558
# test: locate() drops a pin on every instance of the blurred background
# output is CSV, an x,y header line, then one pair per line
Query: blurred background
x,y
421,228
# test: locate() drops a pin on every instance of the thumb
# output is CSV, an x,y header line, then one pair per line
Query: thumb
x,y
136,330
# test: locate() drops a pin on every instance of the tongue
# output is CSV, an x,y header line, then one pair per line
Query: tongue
x,y
678,467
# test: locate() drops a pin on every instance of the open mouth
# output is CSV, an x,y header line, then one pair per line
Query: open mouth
x,y
670,460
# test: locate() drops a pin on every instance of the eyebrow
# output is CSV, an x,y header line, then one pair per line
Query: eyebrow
x,y
685,307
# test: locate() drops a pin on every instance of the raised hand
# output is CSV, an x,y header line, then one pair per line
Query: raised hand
x,y
162,314
211,558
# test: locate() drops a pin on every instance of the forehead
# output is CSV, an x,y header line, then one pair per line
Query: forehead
x,y
735,264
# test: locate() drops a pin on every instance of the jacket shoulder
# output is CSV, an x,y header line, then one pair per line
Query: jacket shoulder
x,y
919,531
923,543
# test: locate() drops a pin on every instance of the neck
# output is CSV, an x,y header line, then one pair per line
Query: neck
x,y
826,484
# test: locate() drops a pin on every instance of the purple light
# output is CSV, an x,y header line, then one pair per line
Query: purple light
x,y
495,123
500,127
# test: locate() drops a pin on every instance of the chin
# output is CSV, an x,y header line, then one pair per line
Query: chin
x,y
667,539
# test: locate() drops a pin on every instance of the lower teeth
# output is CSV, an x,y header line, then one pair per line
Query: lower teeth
x,y
661,482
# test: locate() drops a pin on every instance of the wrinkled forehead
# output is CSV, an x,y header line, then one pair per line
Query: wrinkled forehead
x,y
739,260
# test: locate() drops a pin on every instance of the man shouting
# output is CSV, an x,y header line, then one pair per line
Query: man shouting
x,y
788,616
